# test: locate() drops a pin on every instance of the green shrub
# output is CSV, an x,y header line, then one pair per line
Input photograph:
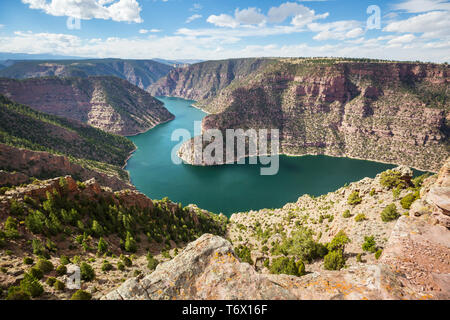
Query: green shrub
x,y
51,281
360,217
126,261
334,260
301,245
244,253
17,293
347,214
38,248
354,198
81,295
285,265
152,262
28,260
61,270
102,246
87,272
338,242
106,266
378,254
36,273
369,244
407,200
372,192
300,268
418,181
45,266
59,285
390,213
130,243
31,285
359,257
64,260
120,266
392,179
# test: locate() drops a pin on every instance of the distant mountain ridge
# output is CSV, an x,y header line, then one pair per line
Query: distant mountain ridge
x,y
108,103
141,73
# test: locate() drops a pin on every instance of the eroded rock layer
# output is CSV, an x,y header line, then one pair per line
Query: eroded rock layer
x,y
389,112
108,103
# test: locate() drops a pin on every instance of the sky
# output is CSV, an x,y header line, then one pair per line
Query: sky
x,y
220,29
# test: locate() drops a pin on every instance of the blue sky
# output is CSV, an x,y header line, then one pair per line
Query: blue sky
x,y
210,29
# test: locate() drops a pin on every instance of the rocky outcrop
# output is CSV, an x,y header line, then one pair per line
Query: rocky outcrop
x,y
389,112
208,269
35,164
141,73
202,81
435,197
108,103
414,249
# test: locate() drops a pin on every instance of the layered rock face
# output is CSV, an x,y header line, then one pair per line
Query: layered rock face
x,y
108,103
141,73
202,81
390,112
29,164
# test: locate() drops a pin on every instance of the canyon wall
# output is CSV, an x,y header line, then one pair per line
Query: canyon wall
x,y
108,103
204,80
382,111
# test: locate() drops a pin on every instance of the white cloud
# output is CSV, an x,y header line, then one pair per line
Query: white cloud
x,y
407,38
253,16
249,16
417,6
116,10
301,14
338,30
145,31
432,24
193,17
191,47
223,20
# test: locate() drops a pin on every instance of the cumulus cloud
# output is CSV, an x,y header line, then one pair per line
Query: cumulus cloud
x,y
431,24
116,10
253,16
302,15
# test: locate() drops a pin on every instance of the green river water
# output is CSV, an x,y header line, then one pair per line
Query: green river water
x,y
232,188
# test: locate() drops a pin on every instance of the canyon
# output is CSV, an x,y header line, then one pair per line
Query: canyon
x,y
392,112
108,103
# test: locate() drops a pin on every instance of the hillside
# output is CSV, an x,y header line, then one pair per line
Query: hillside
x,y
141,73
335,247
108,103
204,80
111,235
383,111
52,146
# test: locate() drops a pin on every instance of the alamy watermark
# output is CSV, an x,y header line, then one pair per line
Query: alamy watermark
x,y
213,147
374,20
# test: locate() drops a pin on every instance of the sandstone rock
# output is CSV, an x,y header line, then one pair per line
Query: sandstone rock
x,y
209,269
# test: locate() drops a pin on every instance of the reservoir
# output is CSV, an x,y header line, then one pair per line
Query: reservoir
x,y
232,188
